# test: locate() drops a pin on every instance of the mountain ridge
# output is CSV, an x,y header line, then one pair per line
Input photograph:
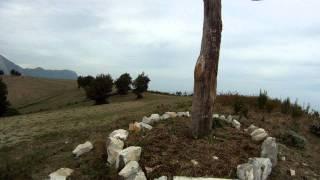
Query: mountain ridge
x,y
6,66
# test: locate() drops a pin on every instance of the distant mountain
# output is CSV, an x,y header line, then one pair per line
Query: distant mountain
x,y
6,65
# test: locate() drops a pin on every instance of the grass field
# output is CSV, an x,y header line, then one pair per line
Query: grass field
x,y
44,140
57,118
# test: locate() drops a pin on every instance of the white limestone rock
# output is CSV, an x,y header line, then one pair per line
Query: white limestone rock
x,y
262,168
145,126
183,114
165,117
245,172
257,131
252,128
82,149
113,149
132,171
260,137
161,178
196,178
120,134
215,116
292,172
172,114
229,119
61,174
223,118
269,149
131,153
155,117
236,124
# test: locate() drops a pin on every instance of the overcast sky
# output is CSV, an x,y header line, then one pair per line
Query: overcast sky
x,y
272,45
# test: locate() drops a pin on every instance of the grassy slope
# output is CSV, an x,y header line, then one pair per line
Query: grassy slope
x,y
28,94
42,142
38,139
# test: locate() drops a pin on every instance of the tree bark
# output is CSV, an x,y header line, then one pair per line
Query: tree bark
x,y
206,70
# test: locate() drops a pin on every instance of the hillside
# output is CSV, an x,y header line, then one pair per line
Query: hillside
x,y
29,94
6,65
35,144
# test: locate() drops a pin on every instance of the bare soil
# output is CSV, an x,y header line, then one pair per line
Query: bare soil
x,y
169,150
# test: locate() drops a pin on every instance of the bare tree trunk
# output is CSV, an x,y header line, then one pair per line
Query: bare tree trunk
x,y
206,70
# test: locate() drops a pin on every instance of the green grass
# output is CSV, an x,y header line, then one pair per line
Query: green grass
x,y
39,139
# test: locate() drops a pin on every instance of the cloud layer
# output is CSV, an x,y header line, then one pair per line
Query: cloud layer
x,y
271,45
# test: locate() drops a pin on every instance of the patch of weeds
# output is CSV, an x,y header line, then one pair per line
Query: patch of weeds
x,y
262,99
292,139
285,106
315,129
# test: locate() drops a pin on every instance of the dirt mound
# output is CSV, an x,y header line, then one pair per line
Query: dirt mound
x,y
169,150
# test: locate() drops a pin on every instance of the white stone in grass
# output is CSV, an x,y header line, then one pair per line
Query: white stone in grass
x,y
196,178
229,119
114,148
223,118
292,172
82,149
130,170
262,168
145,126
161,178
260,137
147,120
236,124
155,117
269,149
172,114
165,117
215,116
61,174
245,172
257,131
183,114
131,153
120,134
252,128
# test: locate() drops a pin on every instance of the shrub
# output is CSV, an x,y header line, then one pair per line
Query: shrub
x,y
285,106
178,93
140,85
270,106
293,139
296,110
315,129
123,84
262,99
14,72
4,103
84,81
1,72
240,108
100,89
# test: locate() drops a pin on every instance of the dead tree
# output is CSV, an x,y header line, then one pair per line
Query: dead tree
x,y
206,70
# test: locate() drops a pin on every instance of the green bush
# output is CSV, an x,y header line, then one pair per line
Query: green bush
x,y
285,106
315,129
296,110
83,82
240,108
293,139
123,84
262,99
4,103
141,84
100,89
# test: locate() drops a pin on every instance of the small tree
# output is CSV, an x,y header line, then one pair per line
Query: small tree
x,y
4,104
100,89
262,99
14,72
140,85
286,106
123,83
84,81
